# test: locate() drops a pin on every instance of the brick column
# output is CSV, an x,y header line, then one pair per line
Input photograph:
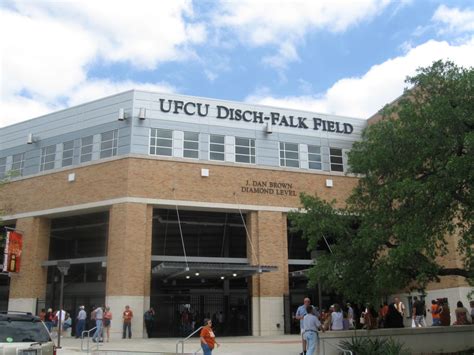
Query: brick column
x,y
30,283
129,264
268,232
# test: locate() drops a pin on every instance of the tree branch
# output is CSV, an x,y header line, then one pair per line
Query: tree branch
x,y
453,272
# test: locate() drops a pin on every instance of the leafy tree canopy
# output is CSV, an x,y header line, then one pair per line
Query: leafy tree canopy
x,y
413,199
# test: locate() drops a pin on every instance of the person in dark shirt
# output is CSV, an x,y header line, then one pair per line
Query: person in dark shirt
x,y
418,312
393,319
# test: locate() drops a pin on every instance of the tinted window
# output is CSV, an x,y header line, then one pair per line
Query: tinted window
x,y
23,331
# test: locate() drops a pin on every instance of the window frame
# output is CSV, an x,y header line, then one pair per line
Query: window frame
x,y
67,150
45,162
104,152
311,161
251,148
156,138
331,156
283,151
91,145
216,144
190,150
22,164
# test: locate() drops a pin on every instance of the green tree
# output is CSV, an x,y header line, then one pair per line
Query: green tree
x,y
413,199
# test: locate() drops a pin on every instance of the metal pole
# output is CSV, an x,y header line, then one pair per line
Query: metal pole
x,y
60,310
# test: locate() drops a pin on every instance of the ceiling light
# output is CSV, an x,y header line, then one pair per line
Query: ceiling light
x,y
197,274
222,277
188,277
234,274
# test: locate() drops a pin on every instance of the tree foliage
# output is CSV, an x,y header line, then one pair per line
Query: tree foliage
x,y
413,200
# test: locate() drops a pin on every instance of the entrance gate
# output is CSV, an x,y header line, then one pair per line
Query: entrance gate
x,y
178,315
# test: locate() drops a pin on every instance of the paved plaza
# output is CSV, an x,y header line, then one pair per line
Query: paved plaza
x,y
272,345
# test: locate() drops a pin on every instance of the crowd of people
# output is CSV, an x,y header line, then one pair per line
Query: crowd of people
x,y
97,322
313,320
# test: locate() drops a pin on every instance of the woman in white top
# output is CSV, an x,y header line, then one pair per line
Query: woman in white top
x,y
337,318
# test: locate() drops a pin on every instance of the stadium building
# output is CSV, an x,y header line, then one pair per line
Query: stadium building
x,y
175,202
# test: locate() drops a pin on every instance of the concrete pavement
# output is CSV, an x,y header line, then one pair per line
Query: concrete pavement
x,y
249,345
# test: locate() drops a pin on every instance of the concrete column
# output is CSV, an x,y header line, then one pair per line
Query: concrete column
x,y
129,264
268,233
30,283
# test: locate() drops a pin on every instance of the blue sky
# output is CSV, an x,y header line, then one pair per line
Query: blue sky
x,y
340,57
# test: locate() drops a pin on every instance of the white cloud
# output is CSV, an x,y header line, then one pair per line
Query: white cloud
x,y
18,108
365,95
48,48
454,19
285,23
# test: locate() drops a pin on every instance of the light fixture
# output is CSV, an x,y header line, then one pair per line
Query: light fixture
x,y
99,277
121,114
222,277
329,183
142,113
234,274
188,277
268,128
30,139
197,274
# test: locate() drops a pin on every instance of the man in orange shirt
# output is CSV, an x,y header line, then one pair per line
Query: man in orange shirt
x,y
127,322
208,339
435,313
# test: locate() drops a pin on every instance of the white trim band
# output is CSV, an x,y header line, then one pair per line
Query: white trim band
x,y
105,204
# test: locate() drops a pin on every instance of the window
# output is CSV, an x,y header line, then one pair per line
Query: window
x,y
3,167
18,162
108,144
216,148
289,155
68,152
191,145
245,150
86,148
314,157
48,155
161,142
335,157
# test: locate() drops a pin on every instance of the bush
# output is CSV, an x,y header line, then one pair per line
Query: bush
x,y
376,346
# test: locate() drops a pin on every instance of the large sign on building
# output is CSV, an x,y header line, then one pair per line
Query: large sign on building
x,y
273,118
13,249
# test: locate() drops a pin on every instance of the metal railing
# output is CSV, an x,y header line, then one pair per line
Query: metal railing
x,y
182,341
344,351
88,332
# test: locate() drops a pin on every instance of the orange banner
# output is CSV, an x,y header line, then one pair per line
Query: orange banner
x,y
13,249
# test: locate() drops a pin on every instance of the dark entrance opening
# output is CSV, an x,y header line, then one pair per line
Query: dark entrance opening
x,y
82,240
183,299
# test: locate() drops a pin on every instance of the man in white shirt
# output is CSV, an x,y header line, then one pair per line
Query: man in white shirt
x,y
99,316
311,326
300,313
399,306
61,317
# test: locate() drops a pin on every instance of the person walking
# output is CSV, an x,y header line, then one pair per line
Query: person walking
x,y
149,318
208,338
311,325
80,321
300,313
418,313
127,322
107,322
99,318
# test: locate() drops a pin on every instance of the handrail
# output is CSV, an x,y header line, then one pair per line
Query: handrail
x,y
183,340
344,351
88,332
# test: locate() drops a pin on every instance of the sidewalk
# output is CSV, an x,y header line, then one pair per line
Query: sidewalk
x,y
249,345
